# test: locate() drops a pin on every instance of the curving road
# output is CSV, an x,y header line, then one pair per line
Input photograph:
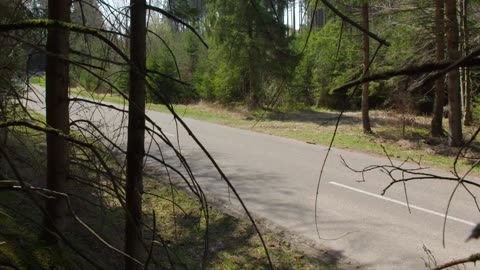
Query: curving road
x,y
277,178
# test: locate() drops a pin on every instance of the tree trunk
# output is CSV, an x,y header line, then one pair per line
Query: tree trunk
x,y
437,126
466,72
468,120
281,11
293,18
287,11
57,117
366,60
136,134
461,47
253,99
453,83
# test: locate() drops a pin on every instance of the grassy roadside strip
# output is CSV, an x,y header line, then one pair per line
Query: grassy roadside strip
x,y
233,242
402,141
38,80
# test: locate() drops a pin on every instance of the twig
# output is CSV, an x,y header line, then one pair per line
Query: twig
x,y
174,18
154,229
470,259
356,25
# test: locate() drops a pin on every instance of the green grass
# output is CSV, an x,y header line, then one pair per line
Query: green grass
x,y
39,80
21,245
183,110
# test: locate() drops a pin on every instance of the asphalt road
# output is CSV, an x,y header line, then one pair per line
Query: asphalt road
x,y
277,178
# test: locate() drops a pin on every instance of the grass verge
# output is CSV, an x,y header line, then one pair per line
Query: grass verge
x,y
38,80
402,135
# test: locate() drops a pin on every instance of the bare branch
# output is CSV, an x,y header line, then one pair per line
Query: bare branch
x,y
173,17
355,24
470,259
408,71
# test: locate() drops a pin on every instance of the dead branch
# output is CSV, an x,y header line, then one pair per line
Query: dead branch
x,y
470,259
178,20
355,24
408,71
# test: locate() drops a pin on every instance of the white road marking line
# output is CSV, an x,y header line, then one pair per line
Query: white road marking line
x,y
404,204
168,134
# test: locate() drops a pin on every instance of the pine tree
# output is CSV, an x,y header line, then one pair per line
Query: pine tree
x,y
366,60
57,81
453,83
437,127
248,46
136,134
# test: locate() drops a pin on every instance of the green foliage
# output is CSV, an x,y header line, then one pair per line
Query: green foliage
x,y
251,57
84,49
13,56
323,67
184,9
161,81
412,43
121,80
39,80
249,52
224,81
172,54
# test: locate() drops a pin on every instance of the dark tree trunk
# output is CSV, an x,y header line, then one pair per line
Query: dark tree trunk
x,y
281,11
293,18
136,134
57,117
253,99
437,126
453,83
466,72
366,60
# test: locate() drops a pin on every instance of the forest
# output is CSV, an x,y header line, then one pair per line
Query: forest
x,y
132,133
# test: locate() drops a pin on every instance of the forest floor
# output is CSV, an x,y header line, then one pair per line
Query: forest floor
x,y
233,242
402,136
